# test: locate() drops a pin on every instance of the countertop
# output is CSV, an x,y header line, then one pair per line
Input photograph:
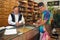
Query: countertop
x,y
21,31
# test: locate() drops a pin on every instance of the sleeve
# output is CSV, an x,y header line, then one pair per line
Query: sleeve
x,y
22,20
10,20
46,16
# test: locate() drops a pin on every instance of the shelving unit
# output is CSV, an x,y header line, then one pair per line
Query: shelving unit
x,y
29,9
23,8
35,11
30,12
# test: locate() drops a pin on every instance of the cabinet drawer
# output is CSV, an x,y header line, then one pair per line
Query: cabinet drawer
x,y
21,37
34,32
15,38
24,37
29,34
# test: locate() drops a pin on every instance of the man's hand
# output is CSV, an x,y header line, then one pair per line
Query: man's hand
x,y
17,24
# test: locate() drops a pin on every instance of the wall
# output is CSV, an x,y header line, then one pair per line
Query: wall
x,y
5,9
37,1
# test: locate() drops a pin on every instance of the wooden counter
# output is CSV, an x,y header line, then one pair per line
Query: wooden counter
x,y
28,35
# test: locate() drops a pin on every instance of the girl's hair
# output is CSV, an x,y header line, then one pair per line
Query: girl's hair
x,y
41,4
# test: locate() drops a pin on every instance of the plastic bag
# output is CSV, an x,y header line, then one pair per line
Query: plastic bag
x,y
46,36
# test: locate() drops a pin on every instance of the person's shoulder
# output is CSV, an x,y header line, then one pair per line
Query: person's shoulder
x,y
46,11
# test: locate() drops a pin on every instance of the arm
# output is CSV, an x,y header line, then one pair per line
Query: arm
x,y
10,20
41,22
46,17
22,20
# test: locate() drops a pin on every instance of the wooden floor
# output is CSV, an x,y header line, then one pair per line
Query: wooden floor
x,y
58,31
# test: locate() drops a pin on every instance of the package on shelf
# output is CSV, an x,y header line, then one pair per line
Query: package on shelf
x,y
35,4
29,14
24,14
31,0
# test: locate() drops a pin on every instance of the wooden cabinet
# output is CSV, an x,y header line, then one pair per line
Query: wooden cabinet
x,y
29,35
29,9
24,36
20,37
17,38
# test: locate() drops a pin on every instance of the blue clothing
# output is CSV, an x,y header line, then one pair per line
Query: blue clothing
x,y
45,16
41,29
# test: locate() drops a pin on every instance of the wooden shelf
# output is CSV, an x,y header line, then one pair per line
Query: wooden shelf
x,y
30,7
31,11
22,6
23,2
22,10
36,4
30,0
31,4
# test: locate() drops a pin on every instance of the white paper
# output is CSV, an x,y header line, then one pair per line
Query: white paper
x,y
10,31
2,28
9,27
20,33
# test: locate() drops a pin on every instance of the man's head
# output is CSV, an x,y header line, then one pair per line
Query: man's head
x,y
41,6
15,9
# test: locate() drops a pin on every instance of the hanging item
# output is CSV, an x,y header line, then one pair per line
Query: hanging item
x,y
46,36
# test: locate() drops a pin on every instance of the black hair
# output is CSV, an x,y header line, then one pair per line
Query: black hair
x,y
40,4
15,7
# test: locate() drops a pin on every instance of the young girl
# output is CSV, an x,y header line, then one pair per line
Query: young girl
x,y
45,35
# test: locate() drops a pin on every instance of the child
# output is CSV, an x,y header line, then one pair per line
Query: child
x,y
45,35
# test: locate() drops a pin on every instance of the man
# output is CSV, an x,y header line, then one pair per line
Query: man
x,y
44,20
15,18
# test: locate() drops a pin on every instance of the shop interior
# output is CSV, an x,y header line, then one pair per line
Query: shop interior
x,y
31,13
